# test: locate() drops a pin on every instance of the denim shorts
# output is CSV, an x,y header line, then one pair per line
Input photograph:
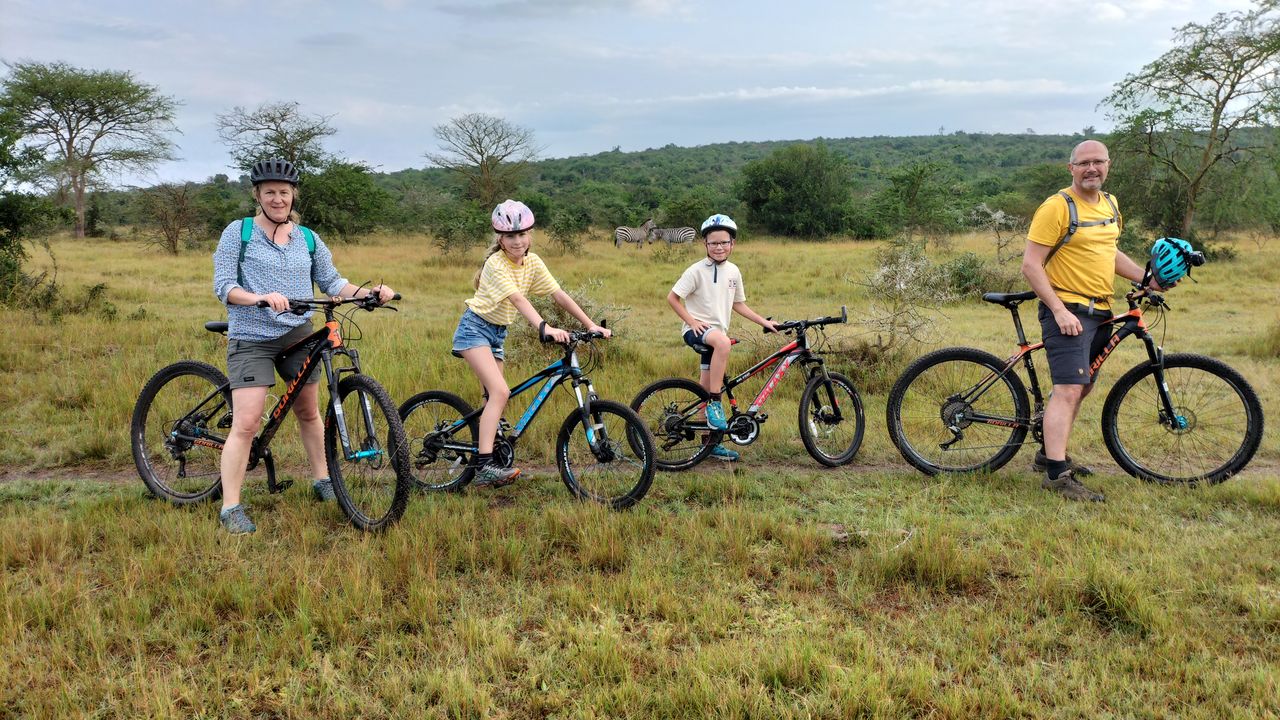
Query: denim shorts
x,y
1070,356
474,331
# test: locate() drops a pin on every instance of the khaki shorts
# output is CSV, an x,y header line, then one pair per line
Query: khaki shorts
x,y
253,363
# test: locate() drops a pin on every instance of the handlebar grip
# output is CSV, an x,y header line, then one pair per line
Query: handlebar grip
x,y
262,303
395,296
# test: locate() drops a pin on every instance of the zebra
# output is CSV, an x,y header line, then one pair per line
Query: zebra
x,y
637,235
675,236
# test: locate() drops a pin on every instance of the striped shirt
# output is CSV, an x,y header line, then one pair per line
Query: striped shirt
x,y
269,267
500,278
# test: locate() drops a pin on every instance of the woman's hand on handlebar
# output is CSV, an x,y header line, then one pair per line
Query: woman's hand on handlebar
x,y
277,302
555,334
600,330
384,293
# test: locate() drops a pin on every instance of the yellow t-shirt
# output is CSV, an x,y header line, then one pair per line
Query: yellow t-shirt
x,y
500,277
1085,267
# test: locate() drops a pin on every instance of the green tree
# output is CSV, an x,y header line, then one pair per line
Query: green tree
x,y
170,209
920,196
1186,111
342,199
275,130
801,190
89,123
488,154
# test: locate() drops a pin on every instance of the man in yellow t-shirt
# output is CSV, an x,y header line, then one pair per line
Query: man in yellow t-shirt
x,y
1074,281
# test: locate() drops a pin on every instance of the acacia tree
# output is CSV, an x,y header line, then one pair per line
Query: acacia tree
x,y
489,154
89,123
275,130
172,209
1189,110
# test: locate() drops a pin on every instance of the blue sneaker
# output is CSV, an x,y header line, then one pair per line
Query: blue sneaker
x,y
236,521
721,452
715,416
322,490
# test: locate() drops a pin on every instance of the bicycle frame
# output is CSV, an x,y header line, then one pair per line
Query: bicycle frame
x,y
326,343
551,377
783,358
1125,324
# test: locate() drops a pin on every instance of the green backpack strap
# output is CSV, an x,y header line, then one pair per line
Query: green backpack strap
x,y
246,233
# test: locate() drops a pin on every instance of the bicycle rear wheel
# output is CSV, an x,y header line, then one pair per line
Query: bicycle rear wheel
x,y
929,399
674,411
372,482
428,418
1215,432
831,420
182,410
612,462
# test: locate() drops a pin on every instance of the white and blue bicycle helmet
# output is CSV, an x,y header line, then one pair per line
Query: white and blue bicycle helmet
x,y
719,222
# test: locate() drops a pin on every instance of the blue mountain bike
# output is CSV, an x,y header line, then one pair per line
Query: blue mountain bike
x,y
604,452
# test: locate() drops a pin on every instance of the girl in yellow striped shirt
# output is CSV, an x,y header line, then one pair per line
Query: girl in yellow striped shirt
x,y
503,285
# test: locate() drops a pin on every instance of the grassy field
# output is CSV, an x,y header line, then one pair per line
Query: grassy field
x,y
774,589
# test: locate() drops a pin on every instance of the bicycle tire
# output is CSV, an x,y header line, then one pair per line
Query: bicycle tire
x,y
920,399
372,486
1220,414
164,462
831,443
425,416
666,408
619,480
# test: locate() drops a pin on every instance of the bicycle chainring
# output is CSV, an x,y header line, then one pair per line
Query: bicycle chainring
x,y
743,429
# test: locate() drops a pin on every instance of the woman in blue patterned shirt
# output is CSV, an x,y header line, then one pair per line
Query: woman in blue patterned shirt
x,y
276,265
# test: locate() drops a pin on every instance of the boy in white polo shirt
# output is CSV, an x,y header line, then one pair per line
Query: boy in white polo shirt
x,y
705,297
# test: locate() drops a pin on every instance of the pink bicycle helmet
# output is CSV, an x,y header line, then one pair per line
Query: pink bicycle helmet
x,y
512,216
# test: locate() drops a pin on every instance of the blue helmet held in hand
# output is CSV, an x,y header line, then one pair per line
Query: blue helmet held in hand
x,y
1172,259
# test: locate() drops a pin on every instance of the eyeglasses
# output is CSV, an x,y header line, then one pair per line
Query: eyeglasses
x,y
719,243
1091,163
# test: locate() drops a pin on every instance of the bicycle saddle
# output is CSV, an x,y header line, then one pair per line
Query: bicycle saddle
x,y
1009,300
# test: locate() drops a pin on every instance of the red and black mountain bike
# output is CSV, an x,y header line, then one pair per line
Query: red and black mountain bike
x,y
831,418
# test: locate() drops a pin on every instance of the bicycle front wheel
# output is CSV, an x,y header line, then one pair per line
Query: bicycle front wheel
x,y
957,410
433,422
179,424
1215,430
612,461
831,420
372,480
674,410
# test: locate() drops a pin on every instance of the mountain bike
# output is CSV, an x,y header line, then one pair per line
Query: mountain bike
x,y
1175,418
831,419
183,414
603,451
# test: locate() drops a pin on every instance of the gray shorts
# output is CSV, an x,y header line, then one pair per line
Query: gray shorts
x,y
1069,356
252,363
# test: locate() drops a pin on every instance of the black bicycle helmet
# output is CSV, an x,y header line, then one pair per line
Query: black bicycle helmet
x,y
279,170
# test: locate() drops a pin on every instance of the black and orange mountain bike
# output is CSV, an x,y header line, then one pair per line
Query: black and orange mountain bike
x,y
1175,418
183,414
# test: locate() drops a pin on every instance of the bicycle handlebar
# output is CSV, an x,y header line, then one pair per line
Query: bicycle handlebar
x,y
791,325
298,306
575,336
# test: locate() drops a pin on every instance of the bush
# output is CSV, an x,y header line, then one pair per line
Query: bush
x,y
457,225
798,191
969,274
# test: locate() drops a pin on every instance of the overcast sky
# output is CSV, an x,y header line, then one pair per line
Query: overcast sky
x,y
589,75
